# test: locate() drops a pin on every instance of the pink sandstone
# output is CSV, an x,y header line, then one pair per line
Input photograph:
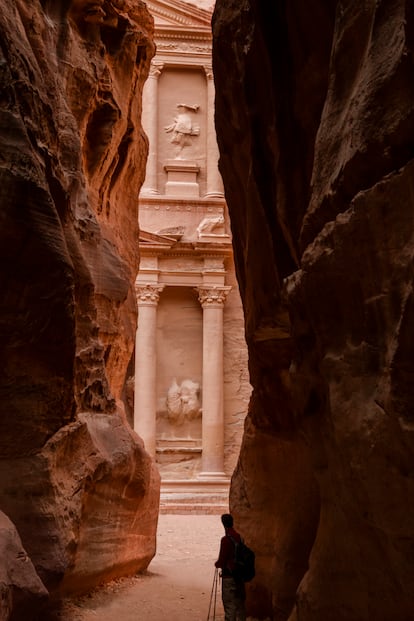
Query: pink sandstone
x,y
74,479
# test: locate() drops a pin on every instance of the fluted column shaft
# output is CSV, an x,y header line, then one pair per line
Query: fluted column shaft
x,y
145,397
214,180
212,461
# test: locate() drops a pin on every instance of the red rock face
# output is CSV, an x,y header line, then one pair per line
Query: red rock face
x,y
72,162
315,120
20,587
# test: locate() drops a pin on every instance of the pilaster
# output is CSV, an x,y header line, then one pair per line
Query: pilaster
x,y
150,125
145,399
214,180
212,301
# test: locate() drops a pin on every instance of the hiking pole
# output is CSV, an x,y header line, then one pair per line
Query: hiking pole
x,y
215,592
213,596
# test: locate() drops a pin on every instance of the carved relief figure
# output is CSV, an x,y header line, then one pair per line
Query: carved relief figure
x,y
211,224
183,401
182,128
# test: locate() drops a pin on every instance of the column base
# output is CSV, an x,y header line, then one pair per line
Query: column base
x,y
213,476
214,194
182,178
148,192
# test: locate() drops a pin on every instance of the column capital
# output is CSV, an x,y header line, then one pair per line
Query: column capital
x,y
148,294
212,296
155,69
208,71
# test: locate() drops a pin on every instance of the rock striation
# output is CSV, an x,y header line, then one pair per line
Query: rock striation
x,y
74,479
315,123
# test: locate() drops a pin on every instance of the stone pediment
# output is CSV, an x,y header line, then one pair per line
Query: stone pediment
x,y
146,238
178,15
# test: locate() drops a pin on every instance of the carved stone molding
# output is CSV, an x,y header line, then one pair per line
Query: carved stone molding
x,y
184,48
180,206
148,295
212,296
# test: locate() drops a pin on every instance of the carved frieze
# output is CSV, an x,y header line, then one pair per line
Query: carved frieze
x,y
169,205
184,48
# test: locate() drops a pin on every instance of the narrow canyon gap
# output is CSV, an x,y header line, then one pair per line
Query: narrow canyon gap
x,y
314,115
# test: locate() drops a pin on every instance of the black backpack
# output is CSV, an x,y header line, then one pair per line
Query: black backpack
x,y
244,558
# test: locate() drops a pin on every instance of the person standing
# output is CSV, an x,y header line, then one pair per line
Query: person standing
x,y
233,592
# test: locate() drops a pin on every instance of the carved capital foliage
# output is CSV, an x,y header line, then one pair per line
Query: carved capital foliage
x,y
148,295
155,69
212,296
209,72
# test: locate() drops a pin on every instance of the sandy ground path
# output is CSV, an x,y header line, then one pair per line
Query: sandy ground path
x,y
177,585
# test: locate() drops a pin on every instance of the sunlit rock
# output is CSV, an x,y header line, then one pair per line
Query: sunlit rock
x,y
73,161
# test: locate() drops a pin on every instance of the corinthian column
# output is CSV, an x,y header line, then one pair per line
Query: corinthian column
x,y
212,460
150,125
214,181
145,397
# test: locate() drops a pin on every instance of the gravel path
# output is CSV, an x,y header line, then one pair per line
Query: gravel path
x,y
177,585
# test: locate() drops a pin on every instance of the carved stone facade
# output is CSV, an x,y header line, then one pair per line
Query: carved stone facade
x,y
191,378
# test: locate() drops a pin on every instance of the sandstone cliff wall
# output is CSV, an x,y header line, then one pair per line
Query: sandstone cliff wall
x,y
74,479
315,121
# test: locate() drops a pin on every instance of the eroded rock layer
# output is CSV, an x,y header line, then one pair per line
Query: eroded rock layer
x,y
72,161
315,121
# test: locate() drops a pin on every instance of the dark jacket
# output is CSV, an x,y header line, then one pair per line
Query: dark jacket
x,y
225,560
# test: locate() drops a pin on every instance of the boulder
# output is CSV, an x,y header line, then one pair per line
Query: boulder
x,y
22,593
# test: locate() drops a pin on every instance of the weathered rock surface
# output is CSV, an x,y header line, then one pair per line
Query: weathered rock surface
x,y
315,120
20,586
72,161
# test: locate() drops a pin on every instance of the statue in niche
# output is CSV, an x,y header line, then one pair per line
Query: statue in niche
x,y
182,129
212,225
183,401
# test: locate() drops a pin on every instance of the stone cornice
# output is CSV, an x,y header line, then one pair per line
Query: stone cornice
x,y
183,32
162,203
182,43
209,249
